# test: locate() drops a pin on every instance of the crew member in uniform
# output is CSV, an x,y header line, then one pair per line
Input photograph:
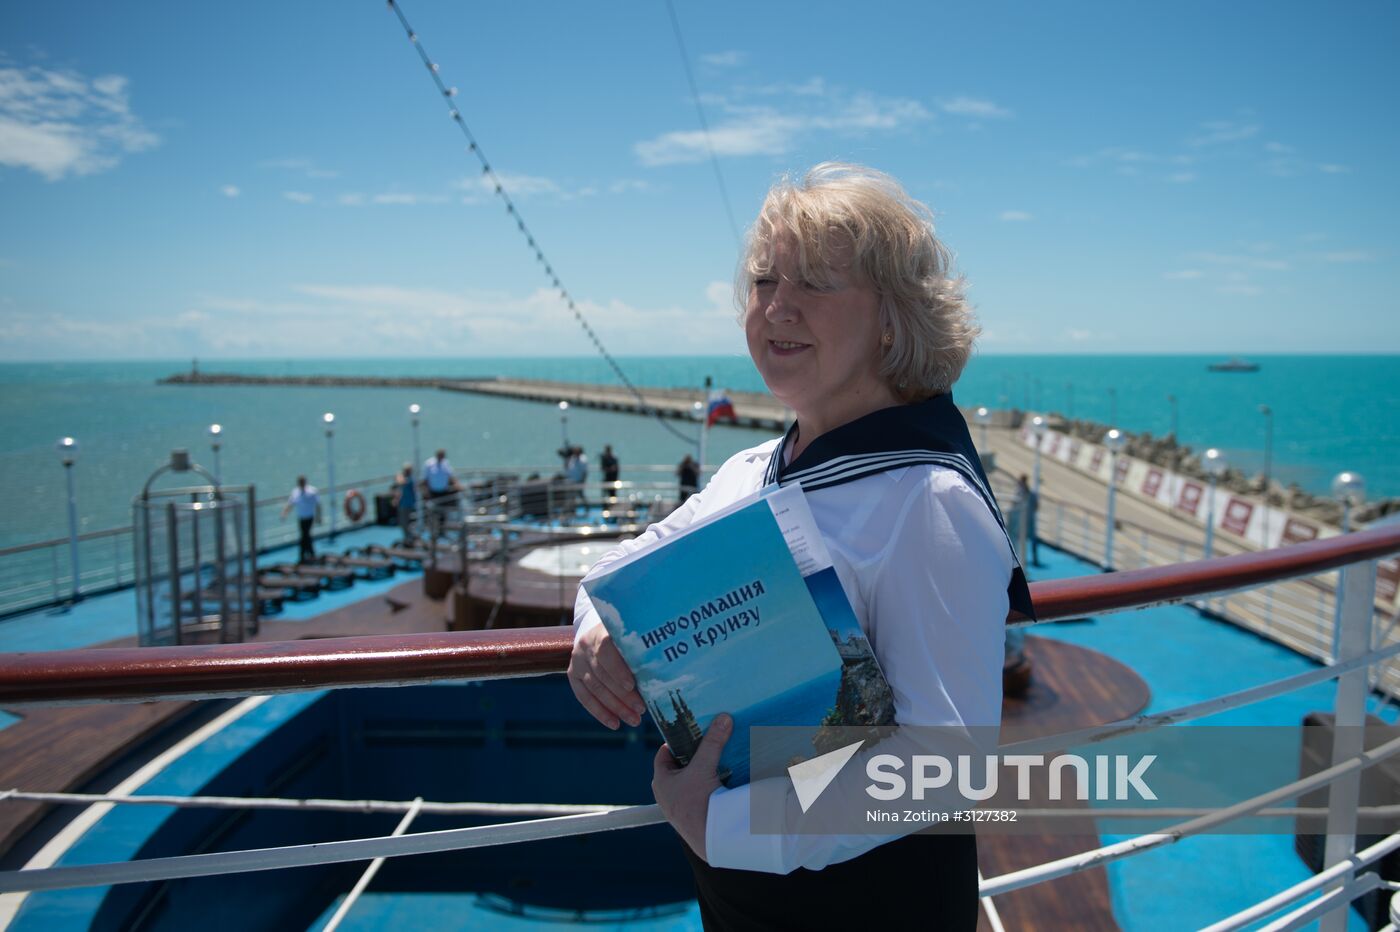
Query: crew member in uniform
x,y
855,321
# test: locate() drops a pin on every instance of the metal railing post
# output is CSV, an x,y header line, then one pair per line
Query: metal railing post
x,y
1357,592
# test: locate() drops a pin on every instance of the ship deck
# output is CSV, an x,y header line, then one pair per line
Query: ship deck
x,y
1076,684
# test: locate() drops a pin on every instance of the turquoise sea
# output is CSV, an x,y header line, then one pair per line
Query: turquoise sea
x,y
1329,413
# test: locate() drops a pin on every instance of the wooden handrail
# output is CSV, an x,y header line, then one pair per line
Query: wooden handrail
x,y
139,674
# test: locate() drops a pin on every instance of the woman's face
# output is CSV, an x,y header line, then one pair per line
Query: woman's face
x,y
817,348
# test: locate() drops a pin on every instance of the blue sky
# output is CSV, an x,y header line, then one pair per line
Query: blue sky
x,y
262,179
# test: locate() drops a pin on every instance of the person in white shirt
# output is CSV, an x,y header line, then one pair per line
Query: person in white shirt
x,y
307,503
855,320
440,489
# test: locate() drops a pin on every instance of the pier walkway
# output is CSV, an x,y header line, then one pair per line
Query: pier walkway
x,y
756,409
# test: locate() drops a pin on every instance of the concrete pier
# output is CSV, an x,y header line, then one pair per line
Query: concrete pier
x,y
758,410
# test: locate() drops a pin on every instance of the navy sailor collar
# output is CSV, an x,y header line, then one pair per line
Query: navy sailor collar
x,y
930,432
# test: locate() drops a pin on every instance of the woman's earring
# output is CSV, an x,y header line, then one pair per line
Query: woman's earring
x,y
887,339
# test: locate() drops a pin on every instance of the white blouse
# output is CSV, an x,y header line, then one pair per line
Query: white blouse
x,y
925,566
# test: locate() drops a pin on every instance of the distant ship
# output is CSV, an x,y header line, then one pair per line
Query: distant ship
x,y
1234,364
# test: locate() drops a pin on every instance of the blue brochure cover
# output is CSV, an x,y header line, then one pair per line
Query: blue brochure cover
x,y
742,613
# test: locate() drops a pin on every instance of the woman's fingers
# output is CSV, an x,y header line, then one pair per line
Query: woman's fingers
x,y
612,670
593,690
593,706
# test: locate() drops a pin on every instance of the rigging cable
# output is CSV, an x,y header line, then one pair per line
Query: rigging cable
x,y
495,182
704,124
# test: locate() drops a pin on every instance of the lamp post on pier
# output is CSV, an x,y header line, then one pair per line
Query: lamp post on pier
x,y
1349,488
1038,429
413,412
564,422
1113,440
1214,465
329,419
982,417
1268,463
67,449
216,437
698,410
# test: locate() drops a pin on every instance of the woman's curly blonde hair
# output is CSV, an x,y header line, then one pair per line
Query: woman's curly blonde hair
x,y
867,218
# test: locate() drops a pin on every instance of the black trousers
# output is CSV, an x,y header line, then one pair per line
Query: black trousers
x,y
915,882
307,552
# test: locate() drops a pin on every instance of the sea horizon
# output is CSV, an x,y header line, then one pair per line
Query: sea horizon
x,y
1328,413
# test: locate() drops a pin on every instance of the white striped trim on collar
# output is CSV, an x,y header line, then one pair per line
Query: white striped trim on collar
x,y
843,466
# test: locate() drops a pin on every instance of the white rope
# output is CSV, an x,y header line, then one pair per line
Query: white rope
x,y
988,907
1338,871
1186,713
1339,898
380,806
1184,812
1172,834
308,805
368,875
333,852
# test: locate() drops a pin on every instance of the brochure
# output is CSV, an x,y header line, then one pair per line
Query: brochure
x,y
743,613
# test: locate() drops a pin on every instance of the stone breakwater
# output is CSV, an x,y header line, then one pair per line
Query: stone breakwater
x,y
757,410
1182,459
340,381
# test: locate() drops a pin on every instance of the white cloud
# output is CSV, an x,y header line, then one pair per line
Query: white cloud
x,y
1330,168
58,123
407,199
384,320
768,130
1243,289
1349,255
1183,275
1181,177
1242,262
298,197
729,59
1217,132
230,190
302,166
974,107
1015,216
1079,335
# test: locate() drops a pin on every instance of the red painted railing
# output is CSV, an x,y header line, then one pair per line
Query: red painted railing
x,y
140,674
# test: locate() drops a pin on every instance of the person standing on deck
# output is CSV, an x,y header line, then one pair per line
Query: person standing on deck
x,y
406,501
688,473
307,502
611,470
440,485
1030,501
609,463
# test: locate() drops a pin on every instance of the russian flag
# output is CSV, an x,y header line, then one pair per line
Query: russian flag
x,y
721,408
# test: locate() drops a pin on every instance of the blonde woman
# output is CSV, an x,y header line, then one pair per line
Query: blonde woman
x,y
856,322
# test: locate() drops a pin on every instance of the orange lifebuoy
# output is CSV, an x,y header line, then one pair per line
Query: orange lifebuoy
x,y
354,505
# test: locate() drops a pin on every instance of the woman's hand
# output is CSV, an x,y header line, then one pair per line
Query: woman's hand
x,y
683,793
601,681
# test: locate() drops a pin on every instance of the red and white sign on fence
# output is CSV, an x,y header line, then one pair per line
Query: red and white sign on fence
x,y
1190,499
1237,515
1296,531
1152,483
